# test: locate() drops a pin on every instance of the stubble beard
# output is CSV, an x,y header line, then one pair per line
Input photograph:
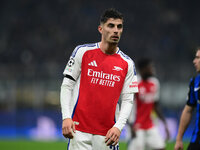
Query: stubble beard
x,y
114,42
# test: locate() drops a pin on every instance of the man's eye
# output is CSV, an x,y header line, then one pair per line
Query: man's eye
x,y
120,26
111,25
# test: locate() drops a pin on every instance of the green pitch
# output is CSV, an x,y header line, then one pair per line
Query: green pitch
x,y
53,145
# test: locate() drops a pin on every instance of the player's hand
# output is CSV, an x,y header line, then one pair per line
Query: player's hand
x,y
133,132
178,145
68,127
112,136
134,128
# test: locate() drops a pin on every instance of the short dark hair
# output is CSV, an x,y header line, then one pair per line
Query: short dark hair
x,y
197,48
143,62
110,13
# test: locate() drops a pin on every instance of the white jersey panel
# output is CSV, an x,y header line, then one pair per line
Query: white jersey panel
x,y
73,67
157,86
130,83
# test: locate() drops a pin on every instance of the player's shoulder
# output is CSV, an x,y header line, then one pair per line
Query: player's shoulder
x,y
154,80
125,57
195,80
83,48
197,77
88,45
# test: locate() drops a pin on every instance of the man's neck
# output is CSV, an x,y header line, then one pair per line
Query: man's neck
x,y
108,48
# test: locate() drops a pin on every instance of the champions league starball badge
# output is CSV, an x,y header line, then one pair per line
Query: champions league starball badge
x,y
70,62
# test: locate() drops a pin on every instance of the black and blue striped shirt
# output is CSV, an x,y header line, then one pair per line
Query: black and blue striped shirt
x,y
193,100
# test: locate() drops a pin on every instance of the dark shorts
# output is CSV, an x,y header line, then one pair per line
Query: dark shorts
x,y
194,146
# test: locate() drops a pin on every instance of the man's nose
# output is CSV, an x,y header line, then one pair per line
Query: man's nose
x,y
194,61
116,30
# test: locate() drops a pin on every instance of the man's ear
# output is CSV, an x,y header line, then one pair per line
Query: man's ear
x,y
100,28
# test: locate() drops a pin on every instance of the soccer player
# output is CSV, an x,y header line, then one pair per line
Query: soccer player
x,y
192,102
95,78
145,132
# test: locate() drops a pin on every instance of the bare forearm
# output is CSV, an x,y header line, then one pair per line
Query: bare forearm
x,y
184,122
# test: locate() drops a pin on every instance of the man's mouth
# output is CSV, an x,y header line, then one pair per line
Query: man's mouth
x,y
115,37
195,66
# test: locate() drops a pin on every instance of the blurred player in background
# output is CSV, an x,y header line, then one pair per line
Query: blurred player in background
x,y
95,78
193,101
145,134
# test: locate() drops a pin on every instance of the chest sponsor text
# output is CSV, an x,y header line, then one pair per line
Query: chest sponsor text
x,y
102,78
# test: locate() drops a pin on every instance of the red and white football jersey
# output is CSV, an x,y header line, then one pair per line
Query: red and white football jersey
x,y
100,79
148,94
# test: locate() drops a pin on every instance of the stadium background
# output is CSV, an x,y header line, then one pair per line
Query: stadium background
x,y
37,38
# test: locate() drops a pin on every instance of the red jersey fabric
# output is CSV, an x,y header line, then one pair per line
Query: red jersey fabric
x,y
148,94
102,79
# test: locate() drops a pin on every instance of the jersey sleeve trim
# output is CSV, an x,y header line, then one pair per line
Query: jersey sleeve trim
x,y
73,67
130,83
69,77
81,46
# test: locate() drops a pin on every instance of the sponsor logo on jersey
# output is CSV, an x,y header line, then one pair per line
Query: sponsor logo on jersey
x,y
102,78
103,75
133,84
93,63
117,68
71,62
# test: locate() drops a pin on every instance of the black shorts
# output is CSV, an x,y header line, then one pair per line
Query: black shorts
x,y
194,146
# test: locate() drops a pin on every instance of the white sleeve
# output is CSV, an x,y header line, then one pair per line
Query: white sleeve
x,y
66,98
130,83
157,95
157,88
126,107
73,67
132,116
